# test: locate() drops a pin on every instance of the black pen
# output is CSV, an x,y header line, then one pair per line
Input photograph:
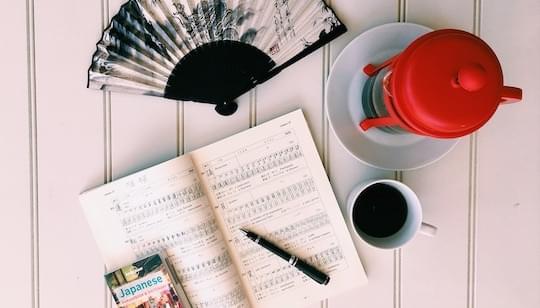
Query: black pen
x,y
293,260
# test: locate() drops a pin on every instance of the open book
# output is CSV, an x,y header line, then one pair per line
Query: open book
x,y
268,179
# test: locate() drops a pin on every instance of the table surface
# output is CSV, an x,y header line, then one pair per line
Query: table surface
x,y
59,138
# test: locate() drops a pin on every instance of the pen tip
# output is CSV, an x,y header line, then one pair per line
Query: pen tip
x,y
244,231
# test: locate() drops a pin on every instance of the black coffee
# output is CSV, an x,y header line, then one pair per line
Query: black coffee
x,y
380,210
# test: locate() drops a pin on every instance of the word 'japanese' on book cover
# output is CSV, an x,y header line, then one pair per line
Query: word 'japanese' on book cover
x,y
146,283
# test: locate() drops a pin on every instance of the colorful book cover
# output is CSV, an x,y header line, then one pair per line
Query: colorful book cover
x,y
147,283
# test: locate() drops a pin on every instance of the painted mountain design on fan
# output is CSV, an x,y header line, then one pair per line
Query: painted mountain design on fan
x,y
207,51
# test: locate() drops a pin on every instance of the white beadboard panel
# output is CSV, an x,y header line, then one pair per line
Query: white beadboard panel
x,y
144,129
70,152
298,86
144,132
443,189
15,188
203,125
508,232
434,269
440,14
360,16
345,171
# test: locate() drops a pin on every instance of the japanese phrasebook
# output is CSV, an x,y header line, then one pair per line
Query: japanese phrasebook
x,y
146,283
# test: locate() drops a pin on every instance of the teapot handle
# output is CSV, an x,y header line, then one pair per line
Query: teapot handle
x,y
511,95
372,69
375,122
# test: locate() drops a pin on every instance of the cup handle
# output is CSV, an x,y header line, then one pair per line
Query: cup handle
x,y
427,229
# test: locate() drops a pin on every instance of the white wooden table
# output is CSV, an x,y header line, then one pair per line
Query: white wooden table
x,y
59,138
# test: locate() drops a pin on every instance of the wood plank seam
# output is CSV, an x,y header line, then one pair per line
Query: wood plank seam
x,y
472,220
33,163
253,107
107,172
397,278
107,166
180,144
473,186
402,10
398,175
326,66
398,287
107,137
326,62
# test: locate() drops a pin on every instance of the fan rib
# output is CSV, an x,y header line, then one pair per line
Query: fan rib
x,y
152,42
181,38
164,31
141,46
115,61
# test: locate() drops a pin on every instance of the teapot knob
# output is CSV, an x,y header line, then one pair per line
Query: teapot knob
x,y
471,77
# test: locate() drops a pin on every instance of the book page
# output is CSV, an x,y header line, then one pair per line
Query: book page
x,y
164,209
270,180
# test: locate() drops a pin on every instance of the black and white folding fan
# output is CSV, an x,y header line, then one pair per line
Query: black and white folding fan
x,y
209,51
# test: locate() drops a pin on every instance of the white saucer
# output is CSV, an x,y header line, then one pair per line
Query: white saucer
x,y
344,106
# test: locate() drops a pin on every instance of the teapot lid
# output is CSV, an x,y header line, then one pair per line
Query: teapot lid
x,y
446,84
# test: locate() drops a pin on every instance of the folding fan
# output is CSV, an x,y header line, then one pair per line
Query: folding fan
x,y
209,51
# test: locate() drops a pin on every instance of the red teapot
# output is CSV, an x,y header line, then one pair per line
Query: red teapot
x,y
445,84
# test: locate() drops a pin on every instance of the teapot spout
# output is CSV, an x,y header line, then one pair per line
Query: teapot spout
x,y
511,95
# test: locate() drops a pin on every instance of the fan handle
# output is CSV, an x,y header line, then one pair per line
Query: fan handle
x,y
226,108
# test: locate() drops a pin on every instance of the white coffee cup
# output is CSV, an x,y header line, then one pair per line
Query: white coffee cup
x,y
413,223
